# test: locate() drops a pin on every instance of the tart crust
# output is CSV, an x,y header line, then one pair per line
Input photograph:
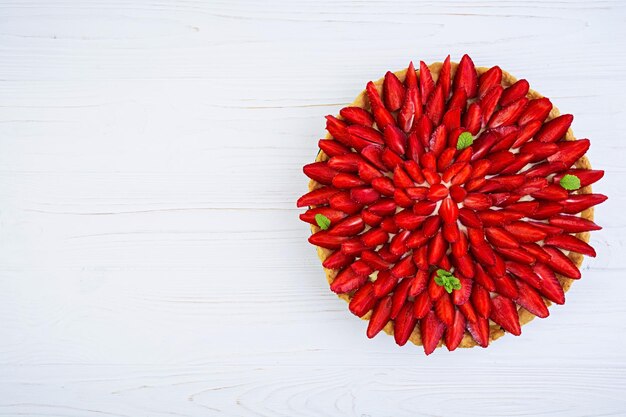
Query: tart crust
x,y
524,315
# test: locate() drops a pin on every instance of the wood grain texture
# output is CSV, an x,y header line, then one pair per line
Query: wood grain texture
x,y
151,259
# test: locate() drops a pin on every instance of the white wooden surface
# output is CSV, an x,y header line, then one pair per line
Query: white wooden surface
x,y
151,259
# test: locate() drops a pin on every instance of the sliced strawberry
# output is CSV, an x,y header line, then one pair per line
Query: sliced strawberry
x,y
479,331
456,331
491,78
550,286
466,77
514,92
393,91
347,280
561,263
431,329
380,317
504,313
363,300
571,243
531,300
404,323
427,85
555,129
536,110
422,305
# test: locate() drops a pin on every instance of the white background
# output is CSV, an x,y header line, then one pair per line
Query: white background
x,y
151,258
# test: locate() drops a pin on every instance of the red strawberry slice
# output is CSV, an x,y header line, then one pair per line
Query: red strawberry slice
x,y
530,299
468,312
357,115
460,297
407,113
572,224
516,254
555,129
320,172
536,110
431,329
395,139
332,147
466,77
448,211
410,78
455,332
348,227
500,237
380,317
338,130
561,263
404,324
445,309
523,272
550,286
577,203
571,243
489,101
381,114
504,313
526,133
399,297
481,301
326,240
393,92
472,119
489,79
586,176
332,215
444,77
505,285
514,92
509,114
384,284
422,305
338,260
347,280
435,106
458,99
570,151
479,331
427,85
363,300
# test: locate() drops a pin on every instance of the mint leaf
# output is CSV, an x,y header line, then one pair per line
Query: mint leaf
x,y
443,273
570,182
465,139
448,281
322,221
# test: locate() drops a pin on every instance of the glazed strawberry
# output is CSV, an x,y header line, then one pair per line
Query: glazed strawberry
x,y
441,205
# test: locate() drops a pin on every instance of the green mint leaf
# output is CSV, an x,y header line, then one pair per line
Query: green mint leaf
x,y
443,273
570,182
465,140
448,287
322,221
439,280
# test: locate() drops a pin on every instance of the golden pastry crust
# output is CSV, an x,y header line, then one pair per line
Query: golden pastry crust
x,y
524,315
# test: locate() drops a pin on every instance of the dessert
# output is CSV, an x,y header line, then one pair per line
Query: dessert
x,y
450,204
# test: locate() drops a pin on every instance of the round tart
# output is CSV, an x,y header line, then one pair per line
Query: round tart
x,y
450,205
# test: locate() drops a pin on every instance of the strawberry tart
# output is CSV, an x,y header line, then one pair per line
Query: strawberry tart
x,y
450,204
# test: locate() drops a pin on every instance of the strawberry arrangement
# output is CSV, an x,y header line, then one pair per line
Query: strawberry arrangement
x,y
451,204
